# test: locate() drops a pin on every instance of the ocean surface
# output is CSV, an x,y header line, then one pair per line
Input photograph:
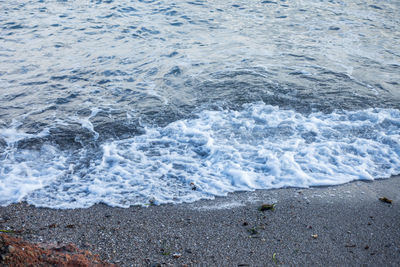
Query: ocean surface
x,y
143,101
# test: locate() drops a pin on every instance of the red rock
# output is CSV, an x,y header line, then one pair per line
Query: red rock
x,y
17,252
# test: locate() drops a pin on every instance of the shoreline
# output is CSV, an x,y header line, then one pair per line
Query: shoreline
x,y
336,225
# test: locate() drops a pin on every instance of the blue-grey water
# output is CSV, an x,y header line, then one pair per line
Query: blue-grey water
x,y
126,102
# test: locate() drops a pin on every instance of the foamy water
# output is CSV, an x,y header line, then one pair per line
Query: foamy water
x,y
260,147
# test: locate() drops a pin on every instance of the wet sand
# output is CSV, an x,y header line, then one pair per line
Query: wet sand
x,y
344,225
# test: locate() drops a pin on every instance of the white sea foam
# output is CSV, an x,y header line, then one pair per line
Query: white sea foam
x,y
260,147
12,135
24,171
86,123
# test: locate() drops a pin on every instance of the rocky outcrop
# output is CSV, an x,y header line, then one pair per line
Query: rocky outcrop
x,y
17,252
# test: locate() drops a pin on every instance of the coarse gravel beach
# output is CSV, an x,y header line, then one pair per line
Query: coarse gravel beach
x,y
345,225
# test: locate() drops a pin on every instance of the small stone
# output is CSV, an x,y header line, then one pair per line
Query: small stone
x,y
176,255
11,249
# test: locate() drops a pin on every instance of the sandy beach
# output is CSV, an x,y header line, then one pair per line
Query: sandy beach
x,y
344,225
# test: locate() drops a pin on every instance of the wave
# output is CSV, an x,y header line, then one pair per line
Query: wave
x,y
259,147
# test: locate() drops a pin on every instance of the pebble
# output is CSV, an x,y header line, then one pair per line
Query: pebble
x,y
11,249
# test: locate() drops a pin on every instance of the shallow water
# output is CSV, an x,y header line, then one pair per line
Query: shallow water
x,y
123,102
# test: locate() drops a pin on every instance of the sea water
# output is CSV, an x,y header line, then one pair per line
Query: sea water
x,y
136,102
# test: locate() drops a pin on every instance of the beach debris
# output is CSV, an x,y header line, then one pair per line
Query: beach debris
x,y
164,252
243,264
6,231
386,200
366,247
53,225
11,231
152,202
315,236
193,186
252,231
265,207
275,259
177,255
164,248
350,245
70,226
245,223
